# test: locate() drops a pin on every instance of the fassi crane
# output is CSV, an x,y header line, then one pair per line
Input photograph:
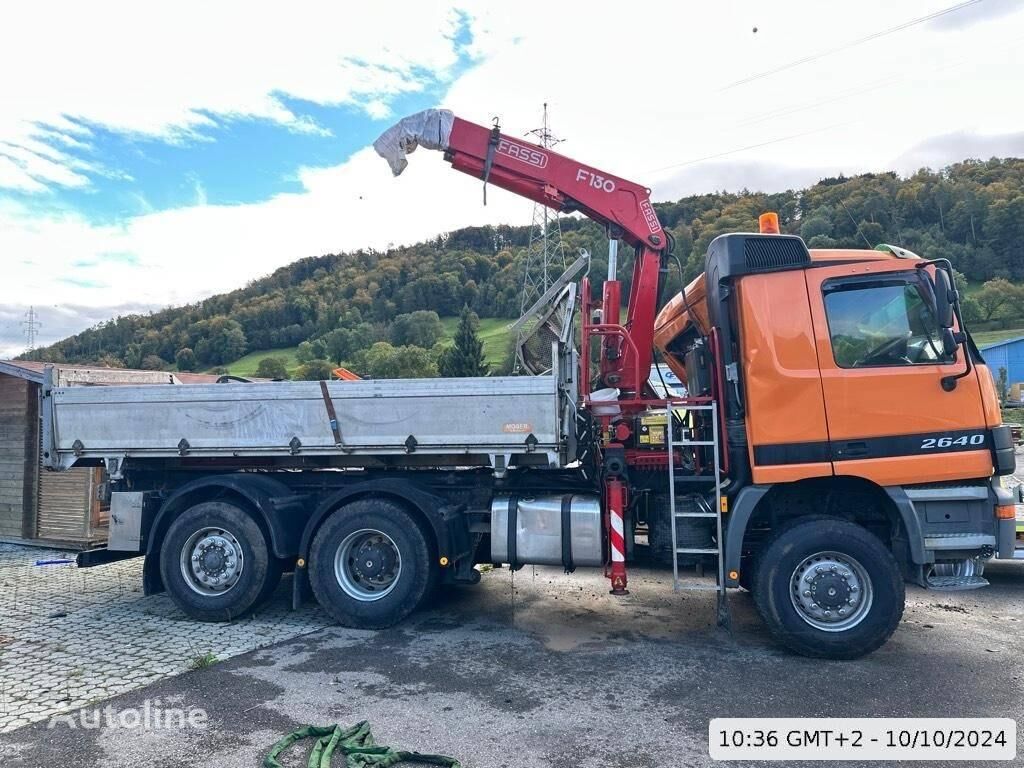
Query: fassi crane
x,y
624,209
539,174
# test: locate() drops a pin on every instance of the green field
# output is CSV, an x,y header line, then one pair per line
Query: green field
x,y
493,332
246,366
981,338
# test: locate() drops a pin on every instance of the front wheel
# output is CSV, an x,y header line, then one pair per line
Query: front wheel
x,y
371,564
828,588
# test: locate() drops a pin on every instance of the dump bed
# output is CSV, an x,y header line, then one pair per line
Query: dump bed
x,y
486,421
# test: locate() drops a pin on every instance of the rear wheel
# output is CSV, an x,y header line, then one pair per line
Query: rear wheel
x,y
828,588
215,563
371,564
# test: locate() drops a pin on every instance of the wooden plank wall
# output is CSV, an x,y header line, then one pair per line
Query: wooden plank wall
x,y
65,504
19,425
36,504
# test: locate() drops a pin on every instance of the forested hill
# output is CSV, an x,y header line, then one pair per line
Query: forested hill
x,y
971,213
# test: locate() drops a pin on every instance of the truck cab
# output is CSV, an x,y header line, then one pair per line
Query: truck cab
x,y
852,391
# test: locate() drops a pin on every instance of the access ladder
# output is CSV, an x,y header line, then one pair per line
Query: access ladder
x,y
706,509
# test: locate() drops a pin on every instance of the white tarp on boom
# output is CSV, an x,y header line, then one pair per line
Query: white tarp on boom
x,y
430,128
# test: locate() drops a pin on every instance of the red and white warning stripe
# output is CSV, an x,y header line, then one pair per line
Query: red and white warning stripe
x,y
615,498
617,537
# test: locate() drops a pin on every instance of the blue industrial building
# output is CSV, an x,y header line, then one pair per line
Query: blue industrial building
x,y
1007,354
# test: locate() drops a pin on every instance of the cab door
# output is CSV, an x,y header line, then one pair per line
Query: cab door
x,y
882,364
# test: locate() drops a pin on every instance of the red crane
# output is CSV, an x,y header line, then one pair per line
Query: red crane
x,y
539,174
623,208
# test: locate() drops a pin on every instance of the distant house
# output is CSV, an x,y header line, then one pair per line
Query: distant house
x,y
63,509
1008,354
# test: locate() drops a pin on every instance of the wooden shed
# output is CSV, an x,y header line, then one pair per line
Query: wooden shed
x,y
53,508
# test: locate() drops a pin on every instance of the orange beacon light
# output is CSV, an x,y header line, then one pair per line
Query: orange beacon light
x,y
768,223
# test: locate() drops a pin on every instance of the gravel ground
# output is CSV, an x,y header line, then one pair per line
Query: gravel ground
x,y
542,669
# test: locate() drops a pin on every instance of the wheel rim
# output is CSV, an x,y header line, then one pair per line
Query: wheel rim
x,y
367,565
831,591
212,561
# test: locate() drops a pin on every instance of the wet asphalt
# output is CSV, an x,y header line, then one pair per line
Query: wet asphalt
x,y
543,669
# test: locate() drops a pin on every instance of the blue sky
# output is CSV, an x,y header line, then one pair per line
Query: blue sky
x,y
225,160
157,154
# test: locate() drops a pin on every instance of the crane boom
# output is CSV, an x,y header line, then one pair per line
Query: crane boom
x,y
623,207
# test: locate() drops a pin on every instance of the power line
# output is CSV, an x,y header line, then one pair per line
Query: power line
x,y
853,43
753,146
792,109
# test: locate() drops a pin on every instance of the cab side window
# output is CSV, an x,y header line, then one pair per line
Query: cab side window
x,y
882,323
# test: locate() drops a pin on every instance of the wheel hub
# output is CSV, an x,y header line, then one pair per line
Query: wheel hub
x,y
367,565
374,560
831,591
211,561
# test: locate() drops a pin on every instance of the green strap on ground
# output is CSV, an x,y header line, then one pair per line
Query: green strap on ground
x,y
355,743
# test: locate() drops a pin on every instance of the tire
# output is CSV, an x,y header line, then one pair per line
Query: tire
x,y
217,528
865,573
401,573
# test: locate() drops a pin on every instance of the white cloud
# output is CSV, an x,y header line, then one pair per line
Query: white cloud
x,y
636,91
13,176
162,70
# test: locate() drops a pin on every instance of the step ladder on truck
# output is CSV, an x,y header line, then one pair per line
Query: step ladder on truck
x,y
841,437
700,510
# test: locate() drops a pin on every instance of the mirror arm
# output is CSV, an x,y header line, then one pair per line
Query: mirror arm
x,y
949,382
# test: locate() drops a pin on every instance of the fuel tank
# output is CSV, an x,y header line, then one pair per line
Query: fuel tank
x,y
547,530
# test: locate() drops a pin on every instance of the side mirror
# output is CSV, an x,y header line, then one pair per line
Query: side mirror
x,y
945,298
949,342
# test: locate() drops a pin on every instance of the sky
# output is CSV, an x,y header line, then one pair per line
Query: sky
x,y
153,155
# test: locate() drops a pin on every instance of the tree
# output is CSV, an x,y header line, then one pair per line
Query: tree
x,y
419,329
343,343
316,370
311,350
304,353
466,357
222,341
995,296
384,361
818,225
153,363
132,356
272,368
186,360
970,212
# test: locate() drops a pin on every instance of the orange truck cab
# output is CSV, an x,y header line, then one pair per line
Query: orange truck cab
x,y
851,390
